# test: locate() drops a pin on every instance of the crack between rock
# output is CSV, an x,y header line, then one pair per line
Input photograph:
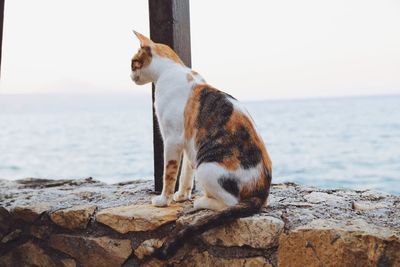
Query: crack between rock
x,y
285,220
310,245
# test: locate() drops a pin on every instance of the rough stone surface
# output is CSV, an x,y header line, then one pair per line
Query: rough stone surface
x,y
367,206
322,197
5,219
339,243
257,232
93,251
314,227
73,218
205,259
29,213
68,262
147,247
134,218
11,236
28,254
61,194
40,231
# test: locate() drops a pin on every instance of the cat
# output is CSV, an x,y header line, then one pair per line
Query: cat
x,y
216,137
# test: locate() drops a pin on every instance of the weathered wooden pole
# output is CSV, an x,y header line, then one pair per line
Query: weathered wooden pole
x,y
169,24
1,28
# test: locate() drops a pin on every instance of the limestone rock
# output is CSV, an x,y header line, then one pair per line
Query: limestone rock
x,y
155,263
73,218
29,213
358,226
93,251
259,231
339,243
11,236
367,205
318,197
40,231
27,254
68,263
147,247
321,228
374,195
144,217
5,221
205,259
85,194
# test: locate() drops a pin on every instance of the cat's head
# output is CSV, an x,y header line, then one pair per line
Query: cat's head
x,y
144,62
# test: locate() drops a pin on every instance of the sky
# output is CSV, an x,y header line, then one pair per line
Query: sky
x,y
251,49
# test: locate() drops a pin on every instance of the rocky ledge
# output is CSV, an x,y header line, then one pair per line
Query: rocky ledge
x,y
89,223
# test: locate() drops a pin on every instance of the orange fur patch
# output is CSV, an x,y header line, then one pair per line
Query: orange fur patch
x,y
194,73
163,50
191,112
231,163
171,171
236,121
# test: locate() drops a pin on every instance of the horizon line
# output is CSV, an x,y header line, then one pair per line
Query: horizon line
x,y
147,94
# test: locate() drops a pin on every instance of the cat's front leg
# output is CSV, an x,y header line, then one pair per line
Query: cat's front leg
x,y
172,157
185,181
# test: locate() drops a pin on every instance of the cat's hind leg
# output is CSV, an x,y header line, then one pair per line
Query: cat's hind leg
x,y
185,181
216,197
209,203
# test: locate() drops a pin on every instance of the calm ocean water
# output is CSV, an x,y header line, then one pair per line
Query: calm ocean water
x,y
330,143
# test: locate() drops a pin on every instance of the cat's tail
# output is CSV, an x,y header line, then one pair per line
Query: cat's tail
x,y
244,208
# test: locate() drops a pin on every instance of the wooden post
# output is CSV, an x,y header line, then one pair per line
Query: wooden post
x,y
169,24
1,28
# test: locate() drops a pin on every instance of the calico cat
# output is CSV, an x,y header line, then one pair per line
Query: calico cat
x,y
216,137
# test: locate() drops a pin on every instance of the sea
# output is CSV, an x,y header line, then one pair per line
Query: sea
x,y
348,142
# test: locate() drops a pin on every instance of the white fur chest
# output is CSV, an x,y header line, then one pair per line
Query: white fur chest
x,y
171,95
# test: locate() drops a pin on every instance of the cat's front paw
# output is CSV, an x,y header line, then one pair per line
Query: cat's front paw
x,y
182,196
161,201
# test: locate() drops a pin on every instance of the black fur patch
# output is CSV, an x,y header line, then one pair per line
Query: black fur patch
x,y
215,109
214,112
230,184
218,143
250,154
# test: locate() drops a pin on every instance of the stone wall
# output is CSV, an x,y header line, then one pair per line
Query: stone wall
x,y
88,223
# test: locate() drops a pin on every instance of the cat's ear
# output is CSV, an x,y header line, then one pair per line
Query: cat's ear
x,y
144,41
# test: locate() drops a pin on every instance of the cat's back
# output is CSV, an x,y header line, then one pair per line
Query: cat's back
x,y
222,130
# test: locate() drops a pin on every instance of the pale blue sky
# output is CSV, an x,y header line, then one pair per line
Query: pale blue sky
x,y
251,49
